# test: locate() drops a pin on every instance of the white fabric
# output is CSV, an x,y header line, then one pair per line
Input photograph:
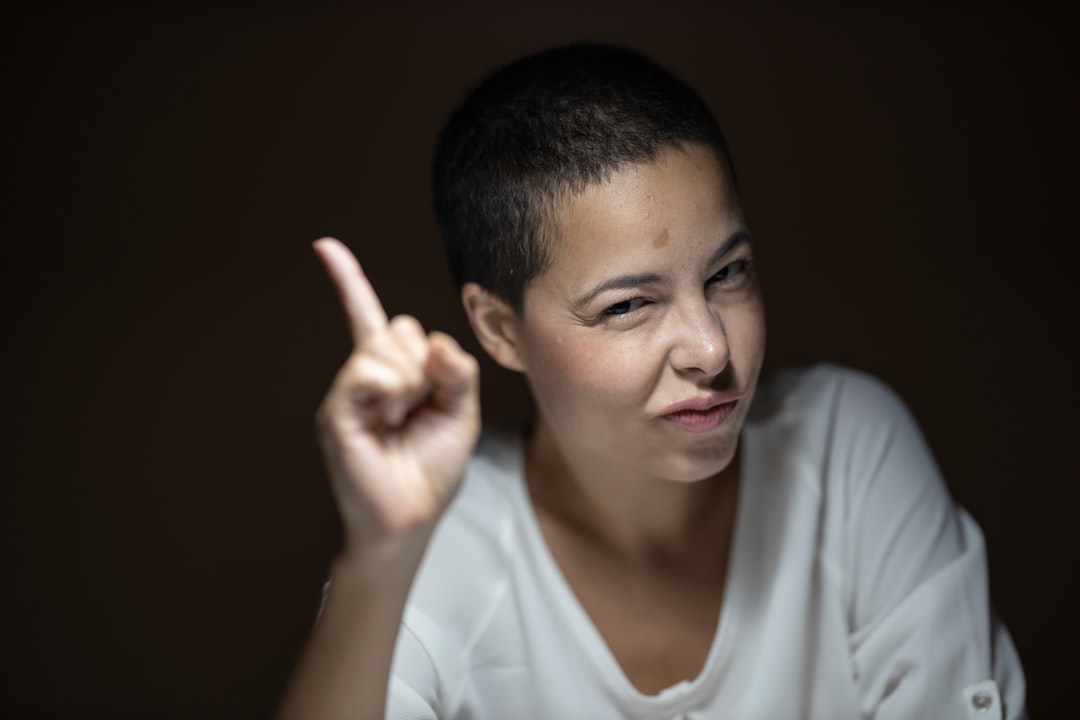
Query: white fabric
x,y
856,588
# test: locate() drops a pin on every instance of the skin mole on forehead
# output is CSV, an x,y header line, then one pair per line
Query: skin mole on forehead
x,y
662,239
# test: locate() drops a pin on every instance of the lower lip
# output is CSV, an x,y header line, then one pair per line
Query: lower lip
x,y
702,420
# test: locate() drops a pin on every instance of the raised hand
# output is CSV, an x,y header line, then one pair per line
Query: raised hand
x,y
401,418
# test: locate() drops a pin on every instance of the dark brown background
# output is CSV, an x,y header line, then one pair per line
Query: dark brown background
x,y
909,174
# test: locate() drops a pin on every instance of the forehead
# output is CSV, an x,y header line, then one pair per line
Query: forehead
x,y
684,194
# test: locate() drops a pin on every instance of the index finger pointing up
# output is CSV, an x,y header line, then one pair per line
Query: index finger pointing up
x,y
362,306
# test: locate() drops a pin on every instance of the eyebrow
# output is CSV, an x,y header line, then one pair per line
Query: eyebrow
x,y
625,282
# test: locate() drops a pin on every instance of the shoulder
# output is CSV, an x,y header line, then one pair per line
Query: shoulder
x,y
823,390
847,435
828,408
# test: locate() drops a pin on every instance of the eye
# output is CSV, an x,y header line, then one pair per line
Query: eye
x,y
731,271
623,308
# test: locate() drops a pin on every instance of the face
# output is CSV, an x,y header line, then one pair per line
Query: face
x,y
643,341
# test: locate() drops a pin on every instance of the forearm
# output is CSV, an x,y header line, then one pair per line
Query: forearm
x,y
345,668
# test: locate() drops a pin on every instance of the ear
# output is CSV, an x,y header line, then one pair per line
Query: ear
x,y
495,324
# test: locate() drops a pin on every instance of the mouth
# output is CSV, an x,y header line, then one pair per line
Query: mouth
x,y
700,414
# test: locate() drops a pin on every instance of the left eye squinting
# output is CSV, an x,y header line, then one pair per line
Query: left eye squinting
x,y
731,270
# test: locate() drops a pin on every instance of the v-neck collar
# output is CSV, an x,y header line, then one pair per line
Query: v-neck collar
x,y
685,693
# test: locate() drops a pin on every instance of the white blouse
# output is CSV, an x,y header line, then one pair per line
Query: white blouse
x,y
855,589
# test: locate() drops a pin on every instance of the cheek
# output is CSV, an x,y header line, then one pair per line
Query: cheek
x,y
747,332
593,371
752,322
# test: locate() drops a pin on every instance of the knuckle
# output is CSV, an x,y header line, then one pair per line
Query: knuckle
x,y
471,365
356,364
389,376
406,325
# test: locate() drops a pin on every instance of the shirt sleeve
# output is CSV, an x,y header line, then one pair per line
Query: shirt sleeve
x,y
428,675
403,703
413,692
924,639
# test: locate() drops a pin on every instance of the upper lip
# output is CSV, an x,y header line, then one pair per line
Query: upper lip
x,y
700,403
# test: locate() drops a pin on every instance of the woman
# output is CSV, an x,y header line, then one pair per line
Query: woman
x,y
668,539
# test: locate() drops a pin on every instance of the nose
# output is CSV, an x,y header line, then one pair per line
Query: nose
x,y
700,341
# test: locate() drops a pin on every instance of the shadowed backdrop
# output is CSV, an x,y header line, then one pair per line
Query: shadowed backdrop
x,y
907,174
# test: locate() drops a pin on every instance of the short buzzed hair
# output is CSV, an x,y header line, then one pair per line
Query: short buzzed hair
x,y
543,128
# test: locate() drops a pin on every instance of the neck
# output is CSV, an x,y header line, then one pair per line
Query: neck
x,y
641,518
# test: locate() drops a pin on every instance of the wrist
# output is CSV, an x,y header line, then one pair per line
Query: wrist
x,y
382,558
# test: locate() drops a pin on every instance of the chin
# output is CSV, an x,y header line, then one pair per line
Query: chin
x,y
691,467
